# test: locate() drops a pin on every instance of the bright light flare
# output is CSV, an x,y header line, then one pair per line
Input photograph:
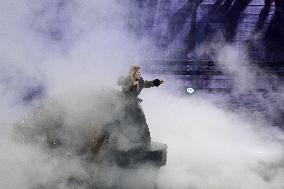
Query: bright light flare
x,y
190,90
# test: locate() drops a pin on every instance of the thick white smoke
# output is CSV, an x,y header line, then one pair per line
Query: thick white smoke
x,y
210,147
71,48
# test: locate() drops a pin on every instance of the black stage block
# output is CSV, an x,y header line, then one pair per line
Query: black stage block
x,y
155,156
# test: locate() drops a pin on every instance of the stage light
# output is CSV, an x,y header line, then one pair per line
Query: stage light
x,y
190,90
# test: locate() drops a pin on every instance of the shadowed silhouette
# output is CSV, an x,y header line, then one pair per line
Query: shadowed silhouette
x,y
233,18
274,38
179,19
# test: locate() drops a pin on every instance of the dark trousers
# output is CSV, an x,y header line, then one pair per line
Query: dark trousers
x,y
268,2
135,117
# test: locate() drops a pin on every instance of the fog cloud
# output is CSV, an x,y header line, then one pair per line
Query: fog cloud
x,y
68,50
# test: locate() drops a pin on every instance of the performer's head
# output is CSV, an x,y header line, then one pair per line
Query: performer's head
x,y
135,72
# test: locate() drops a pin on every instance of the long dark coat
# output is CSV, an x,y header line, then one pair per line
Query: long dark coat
x,y
134,115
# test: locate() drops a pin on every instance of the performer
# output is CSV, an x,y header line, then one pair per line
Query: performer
x,y
269,2
132,86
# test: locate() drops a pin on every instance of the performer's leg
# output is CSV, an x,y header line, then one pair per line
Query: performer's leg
x,y
144,128
277,3
267,2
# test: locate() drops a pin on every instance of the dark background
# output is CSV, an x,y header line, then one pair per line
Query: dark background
x,y
180,27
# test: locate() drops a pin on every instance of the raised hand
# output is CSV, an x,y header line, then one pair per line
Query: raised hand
x,y
136,82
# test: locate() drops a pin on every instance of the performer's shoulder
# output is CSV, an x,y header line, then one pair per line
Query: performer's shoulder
x,y
122,80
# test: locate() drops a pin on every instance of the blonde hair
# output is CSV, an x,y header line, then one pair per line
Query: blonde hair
x,y
133,69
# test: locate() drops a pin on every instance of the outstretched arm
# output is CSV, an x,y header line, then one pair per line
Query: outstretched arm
x,y
154,83
148,84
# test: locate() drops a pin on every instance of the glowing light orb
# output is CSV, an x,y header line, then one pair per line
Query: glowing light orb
x,y
190,90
